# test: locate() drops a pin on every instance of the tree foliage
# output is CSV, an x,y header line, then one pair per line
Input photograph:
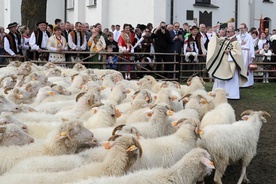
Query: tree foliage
x,y
33,11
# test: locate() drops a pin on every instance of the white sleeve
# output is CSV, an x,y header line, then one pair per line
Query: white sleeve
x,y
49,47
84,44
185,47
7,47
71,44
141,39
32,43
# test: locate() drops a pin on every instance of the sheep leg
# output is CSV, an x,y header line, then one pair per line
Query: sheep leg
x,y
220,169
243,178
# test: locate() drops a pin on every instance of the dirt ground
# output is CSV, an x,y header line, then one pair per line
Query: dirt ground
x,y
262,169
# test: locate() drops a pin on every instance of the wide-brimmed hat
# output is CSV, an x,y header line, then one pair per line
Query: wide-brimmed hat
x,y
40,22
14,24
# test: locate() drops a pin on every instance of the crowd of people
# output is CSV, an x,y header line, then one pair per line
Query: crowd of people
x,y
192,41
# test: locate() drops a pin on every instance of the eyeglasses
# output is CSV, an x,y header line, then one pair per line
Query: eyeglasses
x,y
176,26
229,31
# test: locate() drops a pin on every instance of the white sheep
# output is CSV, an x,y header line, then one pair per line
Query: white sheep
x,y
158,124
121,156
6,105
193,167
7,118
223,113
167,150
63,141
132,112
56,163
149,82
11,134
105,116
232,142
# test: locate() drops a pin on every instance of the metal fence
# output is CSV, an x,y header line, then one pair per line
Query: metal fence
x,y
182,70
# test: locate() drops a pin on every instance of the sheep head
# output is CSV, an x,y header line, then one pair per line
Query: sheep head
x,y
72,135
123,129
262,114
11,134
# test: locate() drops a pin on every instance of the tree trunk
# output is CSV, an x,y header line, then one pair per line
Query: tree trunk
x,y
32,12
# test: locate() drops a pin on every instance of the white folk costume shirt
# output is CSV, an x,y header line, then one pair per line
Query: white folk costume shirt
x,y
73,46
33,44
248,53
53,44
228,70
7,45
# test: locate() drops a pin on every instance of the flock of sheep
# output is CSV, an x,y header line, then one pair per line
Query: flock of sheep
x,y
79,125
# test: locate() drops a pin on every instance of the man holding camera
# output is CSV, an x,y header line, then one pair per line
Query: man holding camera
x,y
162,40
177,41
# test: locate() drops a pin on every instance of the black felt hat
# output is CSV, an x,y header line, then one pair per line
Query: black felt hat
x,y
14,24
40,22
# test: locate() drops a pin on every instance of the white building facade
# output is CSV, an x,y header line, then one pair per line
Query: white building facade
x,y
109,12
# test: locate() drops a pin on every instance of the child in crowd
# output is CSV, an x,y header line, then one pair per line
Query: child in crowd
x,y
266,58
111,62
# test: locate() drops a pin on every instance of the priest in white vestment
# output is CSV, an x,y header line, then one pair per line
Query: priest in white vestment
x,y
225,63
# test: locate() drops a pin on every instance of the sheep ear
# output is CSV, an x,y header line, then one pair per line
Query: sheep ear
x,y
169,112
107,144
62,135
245,117
118,113
211,93
149,113
207,162
174,98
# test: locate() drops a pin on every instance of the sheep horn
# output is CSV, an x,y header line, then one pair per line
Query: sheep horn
x,y
200,96
264,113
247,112
6,90
119,127
79,95
137,144
96,105
152,106
189,79
187,95
73,76
114,137
52,85
177,83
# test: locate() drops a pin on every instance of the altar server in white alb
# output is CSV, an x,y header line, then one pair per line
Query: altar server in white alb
x,y
248,52
225,63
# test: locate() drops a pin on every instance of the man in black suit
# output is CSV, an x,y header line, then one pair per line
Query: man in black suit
x,y
177,39
66,30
